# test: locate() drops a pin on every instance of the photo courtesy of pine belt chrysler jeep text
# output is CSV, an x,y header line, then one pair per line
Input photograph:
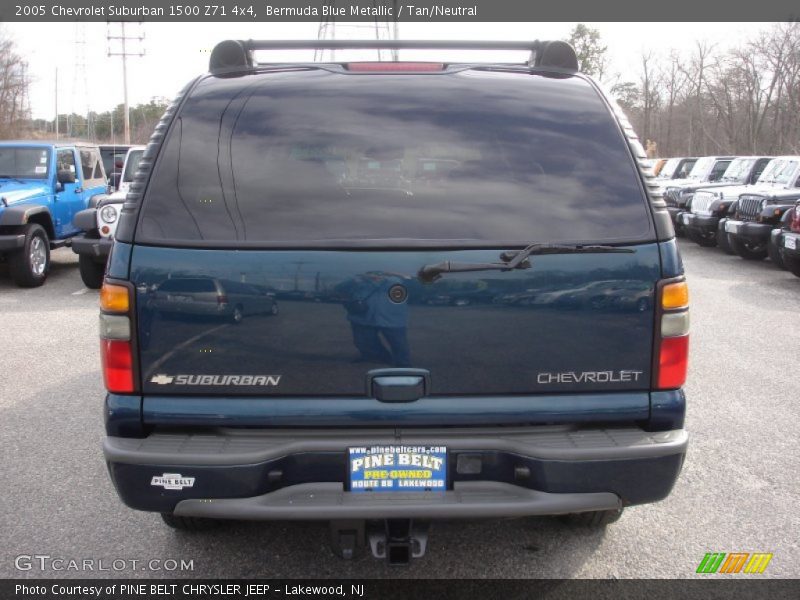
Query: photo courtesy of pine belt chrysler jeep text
x,y
483,311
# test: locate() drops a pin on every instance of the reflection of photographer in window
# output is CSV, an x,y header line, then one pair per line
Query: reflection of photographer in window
x,y
375,318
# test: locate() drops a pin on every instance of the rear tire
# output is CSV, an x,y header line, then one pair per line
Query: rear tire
x,y
748,251
92,272
30,264
594,519
189,523
775,255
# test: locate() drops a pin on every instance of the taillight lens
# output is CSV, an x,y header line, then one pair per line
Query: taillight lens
x,y
795,223
673,362
114,298
675,295
117,365
673,335
115,338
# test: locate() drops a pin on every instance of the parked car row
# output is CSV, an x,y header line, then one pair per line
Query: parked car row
x,y
46,189
750,210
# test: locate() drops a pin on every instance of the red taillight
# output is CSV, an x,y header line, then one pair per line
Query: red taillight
x,y
672,335
116,349
394,67
795,223
673,361
222,299
117,366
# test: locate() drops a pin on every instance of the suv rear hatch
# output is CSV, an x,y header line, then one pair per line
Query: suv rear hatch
x,y
327,191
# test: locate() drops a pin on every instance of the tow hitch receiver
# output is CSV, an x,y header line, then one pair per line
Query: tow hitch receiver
x,y
399,541
396,540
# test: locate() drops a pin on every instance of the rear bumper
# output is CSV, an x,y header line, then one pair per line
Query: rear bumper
x,y
301,474
98,248
13,241
752,232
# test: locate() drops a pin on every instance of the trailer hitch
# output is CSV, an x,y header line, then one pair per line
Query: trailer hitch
x,y
399,540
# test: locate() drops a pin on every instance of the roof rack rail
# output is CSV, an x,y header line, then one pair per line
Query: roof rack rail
x,y
232,55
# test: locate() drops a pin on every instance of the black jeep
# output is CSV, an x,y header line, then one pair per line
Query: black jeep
x,y
711,202
756,215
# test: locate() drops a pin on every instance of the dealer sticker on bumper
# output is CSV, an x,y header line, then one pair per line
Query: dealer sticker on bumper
x,y
790,242
397,468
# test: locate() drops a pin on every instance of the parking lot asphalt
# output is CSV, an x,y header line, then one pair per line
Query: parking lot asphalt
x,y
738,491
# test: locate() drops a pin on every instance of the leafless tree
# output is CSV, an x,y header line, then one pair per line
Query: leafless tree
x,y
13,88
740,100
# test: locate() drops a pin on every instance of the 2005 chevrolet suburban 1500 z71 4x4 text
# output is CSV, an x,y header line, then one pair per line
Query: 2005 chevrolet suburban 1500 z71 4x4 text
x,y
355,193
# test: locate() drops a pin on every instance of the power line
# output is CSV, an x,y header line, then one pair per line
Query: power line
x,y
127,47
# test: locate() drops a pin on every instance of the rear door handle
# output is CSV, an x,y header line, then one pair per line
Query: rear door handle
x,y
398,385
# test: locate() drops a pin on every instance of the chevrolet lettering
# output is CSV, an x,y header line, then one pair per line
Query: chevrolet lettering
x,y
589,376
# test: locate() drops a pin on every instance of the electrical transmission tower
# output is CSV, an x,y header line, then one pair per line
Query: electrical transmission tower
x,y
378,29
125,45
80,83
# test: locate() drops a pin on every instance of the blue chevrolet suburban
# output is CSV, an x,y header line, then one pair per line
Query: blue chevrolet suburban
x,y
43,185
397,211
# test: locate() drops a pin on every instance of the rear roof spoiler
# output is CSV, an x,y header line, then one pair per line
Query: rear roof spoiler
x,y
233,55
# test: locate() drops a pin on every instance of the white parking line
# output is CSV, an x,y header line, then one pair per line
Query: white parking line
x,y
80,292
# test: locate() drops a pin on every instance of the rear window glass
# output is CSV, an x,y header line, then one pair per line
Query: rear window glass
x,y
132,164
316,157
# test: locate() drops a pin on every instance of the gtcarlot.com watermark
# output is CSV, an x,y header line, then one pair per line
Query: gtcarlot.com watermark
x,y
47,563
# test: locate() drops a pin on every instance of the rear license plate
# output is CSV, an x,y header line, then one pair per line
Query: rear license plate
x,y
731,227
398,468
790,242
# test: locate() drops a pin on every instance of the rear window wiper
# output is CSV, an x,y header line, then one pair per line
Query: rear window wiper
x,y
514,259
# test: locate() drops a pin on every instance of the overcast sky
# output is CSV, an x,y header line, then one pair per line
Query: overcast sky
x,y
174,53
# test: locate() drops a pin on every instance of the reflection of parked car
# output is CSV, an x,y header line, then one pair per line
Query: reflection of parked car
x,y
99,224
598,295
42,186
632,296
787,240
212,298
